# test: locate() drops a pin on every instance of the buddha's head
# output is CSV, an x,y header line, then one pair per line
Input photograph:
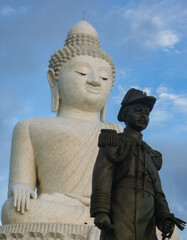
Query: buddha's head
x,y
81,75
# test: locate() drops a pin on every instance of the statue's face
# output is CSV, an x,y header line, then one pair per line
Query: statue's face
x,y
137,117
85,83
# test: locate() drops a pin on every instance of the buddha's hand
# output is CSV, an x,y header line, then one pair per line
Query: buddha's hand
x,y
22,193
102,221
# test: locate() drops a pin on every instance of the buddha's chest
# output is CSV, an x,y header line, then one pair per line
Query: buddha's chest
x,y
59,144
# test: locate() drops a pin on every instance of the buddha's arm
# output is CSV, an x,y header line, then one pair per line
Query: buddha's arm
x,y
22,178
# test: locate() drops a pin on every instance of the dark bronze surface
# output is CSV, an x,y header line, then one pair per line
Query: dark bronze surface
x,y
127,199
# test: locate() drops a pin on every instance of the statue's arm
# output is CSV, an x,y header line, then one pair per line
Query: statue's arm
x,y
101,189
164,219
22,177
161,205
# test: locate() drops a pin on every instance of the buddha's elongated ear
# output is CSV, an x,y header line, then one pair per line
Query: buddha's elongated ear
x,y
54,90
51,77
102,114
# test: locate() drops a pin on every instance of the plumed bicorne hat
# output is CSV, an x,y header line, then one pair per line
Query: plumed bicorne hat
x,y
134,96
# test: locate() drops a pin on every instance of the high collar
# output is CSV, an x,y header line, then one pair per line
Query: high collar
x,y
132,133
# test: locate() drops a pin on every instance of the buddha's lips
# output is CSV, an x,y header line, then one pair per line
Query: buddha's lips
x,y
93,89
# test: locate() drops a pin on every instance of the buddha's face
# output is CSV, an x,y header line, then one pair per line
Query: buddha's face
x,y
85,83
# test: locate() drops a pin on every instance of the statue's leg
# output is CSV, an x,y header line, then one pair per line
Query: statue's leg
x,y
45,211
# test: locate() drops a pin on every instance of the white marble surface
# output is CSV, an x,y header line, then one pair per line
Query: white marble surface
x,y
55,231
56,155
83,27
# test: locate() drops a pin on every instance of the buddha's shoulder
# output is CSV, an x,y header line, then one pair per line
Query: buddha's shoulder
x,y
112,126
36,122
50,123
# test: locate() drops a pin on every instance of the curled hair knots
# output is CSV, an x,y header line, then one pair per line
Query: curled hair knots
x,y
76,45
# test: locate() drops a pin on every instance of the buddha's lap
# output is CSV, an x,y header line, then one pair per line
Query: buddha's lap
x,y
46,211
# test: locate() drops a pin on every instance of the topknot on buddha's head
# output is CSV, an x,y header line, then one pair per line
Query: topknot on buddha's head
x,y
81,40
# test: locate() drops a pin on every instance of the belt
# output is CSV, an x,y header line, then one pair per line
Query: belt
x,y
132,183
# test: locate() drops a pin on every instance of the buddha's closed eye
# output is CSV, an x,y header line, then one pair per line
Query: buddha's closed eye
x,y
81,73
104,78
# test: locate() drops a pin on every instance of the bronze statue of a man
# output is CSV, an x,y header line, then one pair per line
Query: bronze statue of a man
x,y
127,198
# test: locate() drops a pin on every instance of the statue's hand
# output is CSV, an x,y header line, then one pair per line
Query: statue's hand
x,y
22,193
168,226
102,220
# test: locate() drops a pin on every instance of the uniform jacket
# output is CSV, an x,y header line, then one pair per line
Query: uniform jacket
x,y
126,185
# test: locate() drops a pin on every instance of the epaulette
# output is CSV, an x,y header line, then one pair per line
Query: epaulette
x,y
108,137
157,160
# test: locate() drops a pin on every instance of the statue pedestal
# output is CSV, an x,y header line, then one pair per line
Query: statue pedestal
x,y
54,231
48,231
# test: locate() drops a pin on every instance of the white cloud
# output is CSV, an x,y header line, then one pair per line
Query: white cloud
x,y
171,106
162,89
122,90
145,89
7,10
182,102
165,39
160,116
179,101
168,106
152,24
122,73
167,96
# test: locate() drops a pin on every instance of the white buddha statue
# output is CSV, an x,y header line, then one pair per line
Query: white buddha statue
x,y
55,155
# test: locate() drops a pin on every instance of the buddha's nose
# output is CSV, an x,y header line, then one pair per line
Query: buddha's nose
x,y
93,79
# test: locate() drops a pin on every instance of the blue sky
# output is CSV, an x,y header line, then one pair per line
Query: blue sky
x,y
147,41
